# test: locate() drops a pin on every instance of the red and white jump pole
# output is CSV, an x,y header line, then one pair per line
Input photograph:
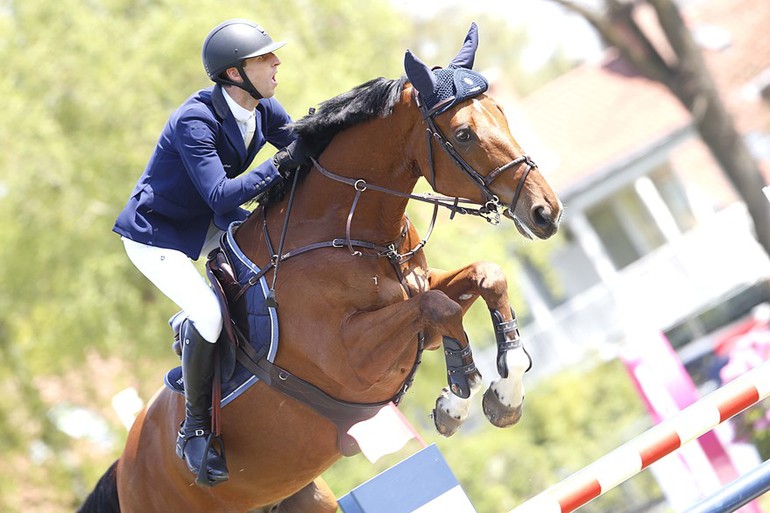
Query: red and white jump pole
x,y
631,458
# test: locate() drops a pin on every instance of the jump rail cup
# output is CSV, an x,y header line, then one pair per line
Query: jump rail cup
x,y
631,458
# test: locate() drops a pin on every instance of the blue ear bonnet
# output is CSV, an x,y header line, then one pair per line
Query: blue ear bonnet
x,y
454,85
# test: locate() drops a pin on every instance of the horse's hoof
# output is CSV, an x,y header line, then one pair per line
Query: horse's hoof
x,y
499,414
446,424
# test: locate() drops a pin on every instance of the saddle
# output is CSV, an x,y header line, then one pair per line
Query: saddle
x,y
232,305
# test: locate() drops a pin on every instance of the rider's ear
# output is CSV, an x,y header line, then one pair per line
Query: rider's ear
x,y
419,75
467,54
233,74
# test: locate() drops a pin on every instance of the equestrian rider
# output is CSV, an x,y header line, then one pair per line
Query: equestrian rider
x,y
192,189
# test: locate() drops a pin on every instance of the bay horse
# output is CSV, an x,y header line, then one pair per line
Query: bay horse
x,y
357,311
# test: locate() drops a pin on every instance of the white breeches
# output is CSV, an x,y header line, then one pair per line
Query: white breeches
x,y
177,277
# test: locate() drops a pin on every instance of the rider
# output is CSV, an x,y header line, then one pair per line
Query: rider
x,y
192,189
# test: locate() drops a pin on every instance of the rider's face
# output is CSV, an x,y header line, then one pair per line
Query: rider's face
x,y
262,72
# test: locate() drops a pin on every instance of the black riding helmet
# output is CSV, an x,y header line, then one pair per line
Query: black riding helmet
x,y
229,44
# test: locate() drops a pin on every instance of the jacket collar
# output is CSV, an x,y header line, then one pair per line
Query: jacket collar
x,y
222,110
218,101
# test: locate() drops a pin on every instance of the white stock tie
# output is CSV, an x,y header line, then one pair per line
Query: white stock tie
x,y
248,135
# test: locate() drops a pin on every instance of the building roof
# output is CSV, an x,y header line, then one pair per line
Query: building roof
x,y
601,113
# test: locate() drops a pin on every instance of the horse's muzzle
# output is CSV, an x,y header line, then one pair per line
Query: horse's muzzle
x,y
541,222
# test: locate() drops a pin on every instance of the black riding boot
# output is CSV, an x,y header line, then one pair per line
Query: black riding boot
x,y
193,443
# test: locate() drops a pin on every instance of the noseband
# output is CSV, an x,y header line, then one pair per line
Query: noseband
x,y
492,202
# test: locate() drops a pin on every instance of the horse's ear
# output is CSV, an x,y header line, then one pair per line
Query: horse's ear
x,y
466,55
419,75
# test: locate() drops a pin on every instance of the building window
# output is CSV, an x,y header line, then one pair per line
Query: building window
x,y
625,222
674,195
640,224
605,220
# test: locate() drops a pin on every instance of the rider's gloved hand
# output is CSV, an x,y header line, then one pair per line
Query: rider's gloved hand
x,y
292,157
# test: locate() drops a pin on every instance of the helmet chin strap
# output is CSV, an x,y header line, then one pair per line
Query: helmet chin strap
x,y
246,84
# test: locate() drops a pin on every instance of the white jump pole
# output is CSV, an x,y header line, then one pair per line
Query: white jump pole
x,y
631,458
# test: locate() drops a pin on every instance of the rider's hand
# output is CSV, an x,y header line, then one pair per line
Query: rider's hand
x,y
289,159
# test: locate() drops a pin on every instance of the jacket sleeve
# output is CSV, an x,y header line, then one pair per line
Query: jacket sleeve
x,y
196,143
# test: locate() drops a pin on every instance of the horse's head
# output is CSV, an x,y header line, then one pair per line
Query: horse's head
x,y
480,160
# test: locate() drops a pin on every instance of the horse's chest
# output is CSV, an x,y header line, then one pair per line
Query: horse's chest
x,y
388,288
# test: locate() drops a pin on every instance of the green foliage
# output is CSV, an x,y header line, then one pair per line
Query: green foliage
x,y
752,426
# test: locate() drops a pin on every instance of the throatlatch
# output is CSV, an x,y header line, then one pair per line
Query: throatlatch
x,y
507,337
457,372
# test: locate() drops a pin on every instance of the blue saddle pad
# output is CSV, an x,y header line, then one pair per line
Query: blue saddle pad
x,y
263,323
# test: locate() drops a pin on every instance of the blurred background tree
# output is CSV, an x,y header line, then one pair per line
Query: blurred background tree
x,y
675,60
87,87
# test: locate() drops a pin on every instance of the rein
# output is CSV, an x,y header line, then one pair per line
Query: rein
x,y
487,211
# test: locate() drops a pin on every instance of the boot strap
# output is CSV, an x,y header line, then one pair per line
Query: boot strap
x,y
187,434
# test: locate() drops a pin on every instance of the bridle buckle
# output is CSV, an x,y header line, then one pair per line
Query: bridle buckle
x,y
490,211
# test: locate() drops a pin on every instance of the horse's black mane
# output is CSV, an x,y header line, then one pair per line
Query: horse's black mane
x,y
371,99
375,98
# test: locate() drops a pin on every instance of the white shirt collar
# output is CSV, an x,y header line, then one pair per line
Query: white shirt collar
x,y
241,115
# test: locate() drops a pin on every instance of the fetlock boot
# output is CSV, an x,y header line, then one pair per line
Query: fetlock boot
x,y
194,442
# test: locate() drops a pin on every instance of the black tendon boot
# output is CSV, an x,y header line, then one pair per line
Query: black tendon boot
x,y
193,443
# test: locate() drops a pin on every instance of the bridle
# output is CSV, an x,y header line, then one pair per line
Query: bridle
x,y
490,210
492,202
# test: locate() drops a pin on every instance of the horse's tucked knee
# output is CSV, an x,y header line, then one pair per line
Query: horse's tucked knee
x,y
488,276
436,307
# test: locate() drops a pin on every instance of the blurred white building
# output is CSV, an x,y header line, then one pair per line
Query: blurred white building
x,y
656,237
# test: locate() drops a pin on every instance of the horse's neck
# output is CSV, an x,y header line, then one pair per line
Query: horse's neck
x,y
374,159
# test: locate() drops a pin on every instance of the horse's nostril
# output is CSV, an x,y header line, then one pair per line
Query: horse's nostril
x,y
542,216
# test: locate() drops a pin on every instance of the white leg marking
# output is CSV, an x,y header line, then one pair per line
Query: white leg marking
x,y
458,407
510,390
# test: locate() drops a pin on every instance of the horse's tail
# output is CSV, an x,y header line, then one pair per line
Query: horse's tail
x,y
104,497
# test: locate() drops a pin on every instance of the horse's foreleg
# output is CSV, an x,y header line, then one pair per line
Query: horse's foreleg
x,y
453,404
503,401
396,327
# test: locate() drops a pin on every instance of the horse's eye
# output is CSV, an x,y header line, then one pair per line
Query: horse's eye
x,y
463,134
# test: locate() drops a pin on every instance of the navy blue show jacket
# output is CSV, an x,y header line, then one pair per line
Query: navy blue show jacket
x,y
196,174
